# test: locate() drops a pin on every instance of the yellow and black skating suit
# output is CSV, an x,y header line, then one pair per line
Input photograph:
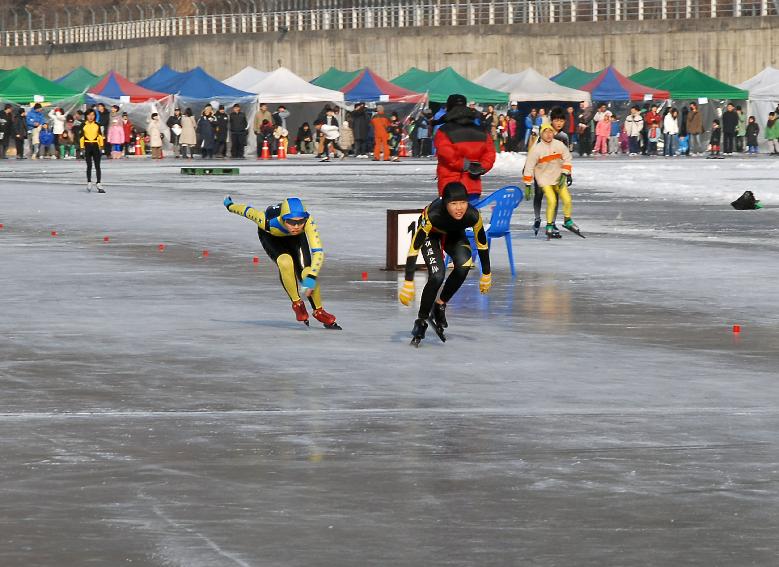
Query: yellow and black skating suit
x,y
297,257
90,134
436,223
437,232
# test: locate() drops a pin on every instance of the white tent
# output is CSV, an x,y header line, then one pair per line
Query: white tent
x,y
245,78
530,85
284,86
763,95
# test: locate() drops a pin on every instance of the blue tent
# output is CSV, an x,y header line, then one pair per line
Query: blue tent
x,y
610,84
192,85
159,78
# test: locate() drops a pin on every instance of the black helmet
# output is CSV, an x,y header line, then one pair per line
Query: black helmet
x,y
455,100
455,191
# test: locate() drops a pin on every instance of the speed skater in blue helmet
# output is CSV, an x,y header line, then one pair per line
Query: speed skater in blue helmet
x,y
289,235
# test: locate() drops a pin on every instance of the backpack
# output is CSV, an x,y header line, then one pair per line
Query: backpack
x,y
746,202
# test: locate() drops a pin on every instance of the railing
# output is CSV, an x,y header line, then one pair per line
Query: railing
x,y
398,15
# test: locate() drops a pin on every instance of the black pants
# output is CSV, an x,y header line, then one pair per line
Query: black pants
x,y
19,148
459,250
727,146
92,154
585,143
3,147
237,143
220,149
360,146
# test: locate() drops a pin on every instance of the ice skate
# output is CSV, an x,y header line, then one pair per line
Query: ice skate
x,y
437,320
570,225
300,311
89,186
327,319
536,226
418,332
99,188
552,232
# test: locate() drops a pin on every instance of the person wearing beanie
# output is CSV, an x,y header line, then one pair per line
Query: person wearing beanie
x,y
441,229
549,164
289,236
465,151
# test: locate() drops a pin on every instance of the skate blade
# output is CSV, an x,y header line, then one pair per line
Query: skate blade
x,y
306,323
438,331
415,342
576,232
334,326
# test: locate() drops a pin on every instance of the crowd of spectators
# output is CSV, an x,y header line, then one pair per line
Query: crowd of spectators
x,y
213,132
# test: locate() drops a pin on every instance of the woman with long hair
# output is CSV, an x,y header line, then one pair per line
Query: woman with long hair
x,y
92,144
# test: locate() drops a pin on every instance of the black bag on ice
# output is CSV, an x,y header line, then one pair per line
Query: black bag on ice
x,y
746,202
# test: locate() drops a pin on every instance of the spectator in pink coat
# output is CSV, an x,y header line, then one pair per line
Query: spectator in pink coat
x,y
602,133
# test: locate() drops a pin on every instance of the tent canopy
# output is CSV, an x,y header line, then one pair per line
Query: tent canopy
x,y
612,85
574,78
22,86
764,85
245,78
284,86
79,79
530,85
335,79
194,84
114,85
440,84
688,83
367,86
160,77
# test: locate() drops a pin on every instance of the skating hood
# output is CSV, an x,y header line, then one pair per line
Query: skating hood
x,y
292,208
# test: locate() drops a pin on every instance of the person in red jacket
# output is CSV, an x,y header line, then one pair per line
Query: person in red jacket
x,y
465,150
652,122
127,126
381,125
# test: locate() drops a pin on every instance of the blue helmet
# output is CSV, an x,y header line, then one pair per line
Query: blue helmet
x,y
293,208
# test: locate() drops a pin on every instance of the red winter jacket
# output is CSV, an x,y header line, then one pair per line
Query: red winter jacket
x,y
457,140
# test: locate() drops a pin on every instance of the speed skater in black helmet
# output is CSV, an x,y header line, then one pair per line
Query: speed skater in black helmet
x,y
441,229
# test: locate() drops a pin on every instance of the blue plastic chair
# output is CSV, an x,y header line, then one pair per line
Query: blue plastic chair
x,y
505,199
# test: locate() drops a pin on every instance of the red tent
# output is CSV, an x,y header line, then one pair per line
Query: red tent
x,y
114,85
610,84
367,86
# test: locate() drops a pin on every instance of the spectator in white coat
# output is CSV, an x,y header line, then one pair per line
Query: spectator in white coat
x,y
671,132
57,128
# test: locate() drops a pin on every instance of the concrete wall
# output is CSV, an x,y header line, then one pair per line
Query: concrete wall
x,y
732,49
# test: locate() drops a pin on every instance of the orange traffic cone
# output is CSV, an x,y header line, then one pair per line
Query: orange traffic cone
x,y
265,150
402,149
282,153
138,147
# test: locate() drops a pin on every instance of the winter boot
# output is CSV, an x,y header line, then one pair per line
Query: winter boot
x,y
327,319
418,332
300,311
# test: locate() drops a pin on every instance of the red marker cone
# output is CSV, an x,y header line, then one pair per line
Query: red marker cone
x,y
161,247
205,253
736,329
402,149
54,233
106,239
265,150
256,260
1,226
282,153
365,276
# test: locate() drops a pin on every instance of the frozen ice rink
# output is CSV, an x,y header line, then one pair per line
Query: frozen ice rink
x,y
165,409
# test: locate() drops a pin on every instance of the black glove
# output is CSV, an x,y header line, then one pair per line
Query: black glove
x,y
475,169
569,179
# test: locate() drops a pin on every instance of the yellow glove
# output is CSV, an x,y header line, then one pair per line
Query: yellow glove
x,y
407,293
485,283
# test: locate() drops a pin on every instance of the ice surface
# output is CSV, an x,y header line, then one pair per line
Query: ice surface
x,y
164,408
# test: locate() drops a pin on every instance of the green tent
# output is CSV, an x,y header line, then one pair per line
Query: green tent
x,y
23,86
335,79
688,83
574,78
79,79
440,84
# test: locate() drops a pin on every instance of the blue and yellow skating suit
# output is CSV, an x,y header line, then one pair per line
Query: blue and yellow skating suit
x,y
271,221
